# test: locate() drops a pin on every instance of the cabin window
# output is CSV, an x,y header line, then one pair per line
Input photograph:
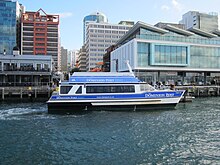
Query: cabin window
x,y
65,89
79,90
110,89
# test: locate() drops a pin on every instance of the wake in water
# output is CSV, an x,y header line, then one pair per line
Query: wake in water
x,y
22,112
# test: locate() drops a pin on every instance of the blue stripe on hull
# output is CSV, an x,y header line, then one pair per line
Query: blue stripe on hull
x,y
150,95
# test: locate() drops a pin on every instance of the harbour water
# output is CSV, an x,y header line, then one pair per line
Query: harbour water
x,y
188,135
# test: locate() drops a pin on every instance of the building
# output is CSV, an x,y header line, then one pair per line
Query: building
x,y
203,21
97,17
64,54
168,54
29,70
72,59
82,59
100,36
10,14
40,34
59,55
106,58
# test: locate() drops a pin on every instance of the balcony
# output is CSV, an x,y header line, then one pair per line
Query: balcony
x,y
25,71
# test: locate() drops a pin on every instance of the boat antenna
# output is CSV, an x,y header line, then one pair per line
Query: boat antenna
x,y
129,68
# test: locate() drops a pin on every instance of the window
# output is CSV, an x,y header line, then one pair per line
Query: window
x,y
110,89
170,55
79,90
65,89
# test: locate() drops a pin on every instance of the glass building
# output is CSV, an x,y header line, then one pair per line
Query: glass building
x,y
9,16
169,54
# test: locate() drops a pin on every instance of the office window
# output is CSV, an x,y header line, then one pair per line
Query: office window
x,y
170,55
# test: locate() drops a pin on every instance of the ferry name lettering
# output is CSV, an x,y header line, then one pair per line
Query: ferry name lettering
x,y
158,95
150,95
100,80
169,94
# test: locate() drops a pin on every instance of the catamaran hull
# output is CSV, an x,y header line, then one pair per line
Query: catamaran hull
x,y
69,106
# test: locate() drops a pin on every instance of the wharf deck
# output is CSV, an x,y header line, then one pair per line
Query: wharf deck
x,y
7,93
200,91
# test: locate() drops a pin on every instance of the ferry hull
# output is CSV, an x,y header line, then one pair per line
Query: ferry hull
x,y
71,107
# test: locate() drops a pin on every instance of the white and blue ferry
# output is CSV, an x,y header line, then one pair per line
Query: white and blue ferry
x,y
110,91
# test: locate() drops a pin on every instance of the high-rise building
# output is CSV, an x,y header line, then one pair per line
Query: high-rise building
x,y
40,34
203,21
94,17
64,59
72,58
100,36
10,14
82,59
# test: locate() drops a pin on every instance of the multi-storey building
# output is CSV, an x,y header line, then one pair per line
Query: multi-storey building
x,y
72,59
28,70
203,21
10,14
168,53
99,36
94,17
40,34
82,59
64,59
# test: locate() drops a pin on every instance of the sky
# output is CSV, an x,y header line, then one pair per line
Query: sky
x,y
72,13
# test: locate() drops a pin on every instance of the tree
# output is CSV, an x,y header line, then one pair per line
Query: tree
x,y
74,70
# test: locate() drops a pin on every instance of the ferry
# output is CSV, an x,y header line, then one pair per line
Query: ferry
x,y
89,91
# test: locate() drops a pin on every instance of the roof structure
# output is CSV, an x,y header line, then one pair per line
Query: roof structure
x,y
217,32
166,29
143,25
178,30
202,33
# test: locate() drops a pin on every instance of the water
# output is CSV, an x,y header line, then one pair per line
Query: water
x,y
188,135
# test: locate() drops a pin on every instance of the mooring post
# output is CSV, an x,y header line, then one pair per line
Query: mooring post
x,y
3,93
35,93
21,93
48,91
217,90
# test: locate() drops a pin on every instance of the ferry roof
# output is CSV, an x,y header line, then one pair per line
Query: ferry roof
x,y
103,77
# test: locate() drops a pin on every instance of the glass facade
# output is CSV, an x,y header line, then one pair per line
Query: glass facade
x,y
205,57
172,36
7,26
143,54
170,55
195,51
165,55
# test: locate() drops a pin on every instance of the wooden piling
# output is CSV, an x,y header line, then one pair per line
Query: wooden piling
x,y
35,93
3,93
21,93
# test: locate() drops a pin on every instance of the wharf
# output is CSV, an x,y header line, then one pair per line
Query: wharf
x,y
44,92
200,91
24,93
